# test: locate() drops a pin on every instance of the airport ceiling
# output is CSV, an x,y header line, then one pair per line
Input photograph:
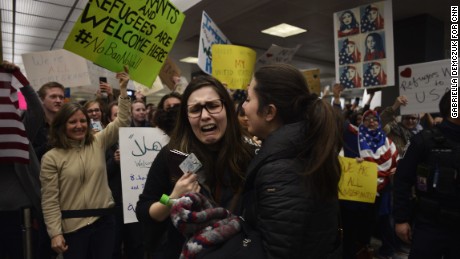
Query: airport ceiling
x,y
41,25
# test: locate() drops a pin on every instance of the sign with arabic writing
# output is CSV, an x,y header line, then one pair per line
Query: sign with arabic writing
x,y
138,149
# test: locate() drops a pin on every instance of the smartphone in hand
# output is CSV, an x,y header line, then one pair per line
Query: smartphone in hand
x,y
96,125
103,91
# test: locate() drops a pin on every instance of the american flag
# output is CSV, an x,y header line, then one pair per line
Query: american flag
x,y
375,146
14,145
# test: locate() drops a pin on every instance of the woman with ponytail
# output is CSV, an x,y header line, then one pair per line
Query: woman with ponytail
x,y
291,188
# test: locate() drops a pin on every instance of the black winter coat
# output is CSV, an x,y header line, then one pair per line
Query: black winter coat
x,y
277,202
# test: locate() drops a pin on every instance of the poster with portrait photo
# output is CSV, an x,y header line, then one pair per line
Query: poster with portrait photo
x,y
350,50
374,46
375,74
374,42
351,76
348,23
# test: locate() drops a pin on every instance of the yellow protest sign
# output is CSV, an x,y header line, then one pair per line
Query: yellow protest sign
x,y
358,181
313,80
115,33
233,65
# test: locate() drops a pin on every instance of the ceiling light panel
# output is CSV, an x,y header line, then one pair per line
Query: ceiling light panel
x,y
284,30
189,60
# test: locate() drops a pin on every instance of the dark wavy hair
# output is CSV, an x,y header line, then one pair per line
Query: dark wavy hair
x,y
233,154
286,88
57,135
378,41
167,96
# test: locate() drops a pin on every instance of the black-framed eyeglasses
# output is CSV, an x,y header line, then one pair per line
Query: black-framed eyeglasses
x,y
94,110
212,107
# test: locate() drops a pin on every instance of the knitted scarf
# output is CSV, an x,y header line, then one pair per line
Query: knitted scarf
x,y
14,144
202,224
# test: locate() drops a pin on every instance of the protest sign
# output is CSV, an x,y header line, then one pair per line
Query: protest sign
x,y
313,80
168,72
277,54
60,66
138,149
138,34
358,181
364,52
209,34
233,65
424,84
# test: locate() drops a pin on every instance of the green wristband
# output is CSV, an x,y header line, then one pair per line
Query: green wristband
x,y
164,199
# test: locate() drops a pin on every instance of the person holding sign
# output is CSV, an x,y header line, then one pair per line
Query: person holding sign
x,y
207,126
20,168
369,142
76,199
291,189
431,165
400,132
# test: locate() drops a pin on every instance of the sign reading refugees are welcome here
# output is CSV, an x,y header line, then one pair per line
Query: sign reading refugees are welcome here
x,y
115,33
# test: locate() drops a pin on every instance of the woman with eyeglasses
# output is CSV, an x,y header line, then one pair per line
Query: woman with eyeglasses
x,y
96,114
207,126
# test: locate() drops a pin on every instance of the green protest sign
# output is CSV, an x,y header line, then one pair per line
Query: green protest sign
x,y
137,33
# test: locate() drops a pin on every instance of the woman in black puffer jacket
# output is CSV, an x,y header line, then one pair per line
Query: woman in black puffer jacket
x,y
291,189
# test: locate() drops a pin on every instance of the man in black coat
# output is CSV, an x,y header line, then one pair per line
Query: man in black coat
x,y
432,165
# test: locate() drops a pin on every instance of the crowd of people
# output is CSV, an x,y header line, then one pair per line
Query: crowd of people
x,y
269,156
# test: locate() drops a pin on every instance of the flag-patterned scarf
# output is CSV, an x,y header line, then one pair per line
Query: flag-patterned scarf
x,y
374,146
14,145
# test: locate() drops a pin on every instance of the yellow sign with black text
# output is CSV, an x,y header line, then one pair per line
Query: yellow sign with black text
x,y
358,181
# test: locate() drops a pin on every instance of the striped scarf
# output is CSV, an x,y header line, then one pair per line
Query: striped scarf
x,y
14,145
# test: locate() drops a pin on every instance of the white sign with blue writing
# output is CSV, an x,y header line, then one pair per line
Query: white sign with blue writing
x,y
424,84
209,34
138,149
